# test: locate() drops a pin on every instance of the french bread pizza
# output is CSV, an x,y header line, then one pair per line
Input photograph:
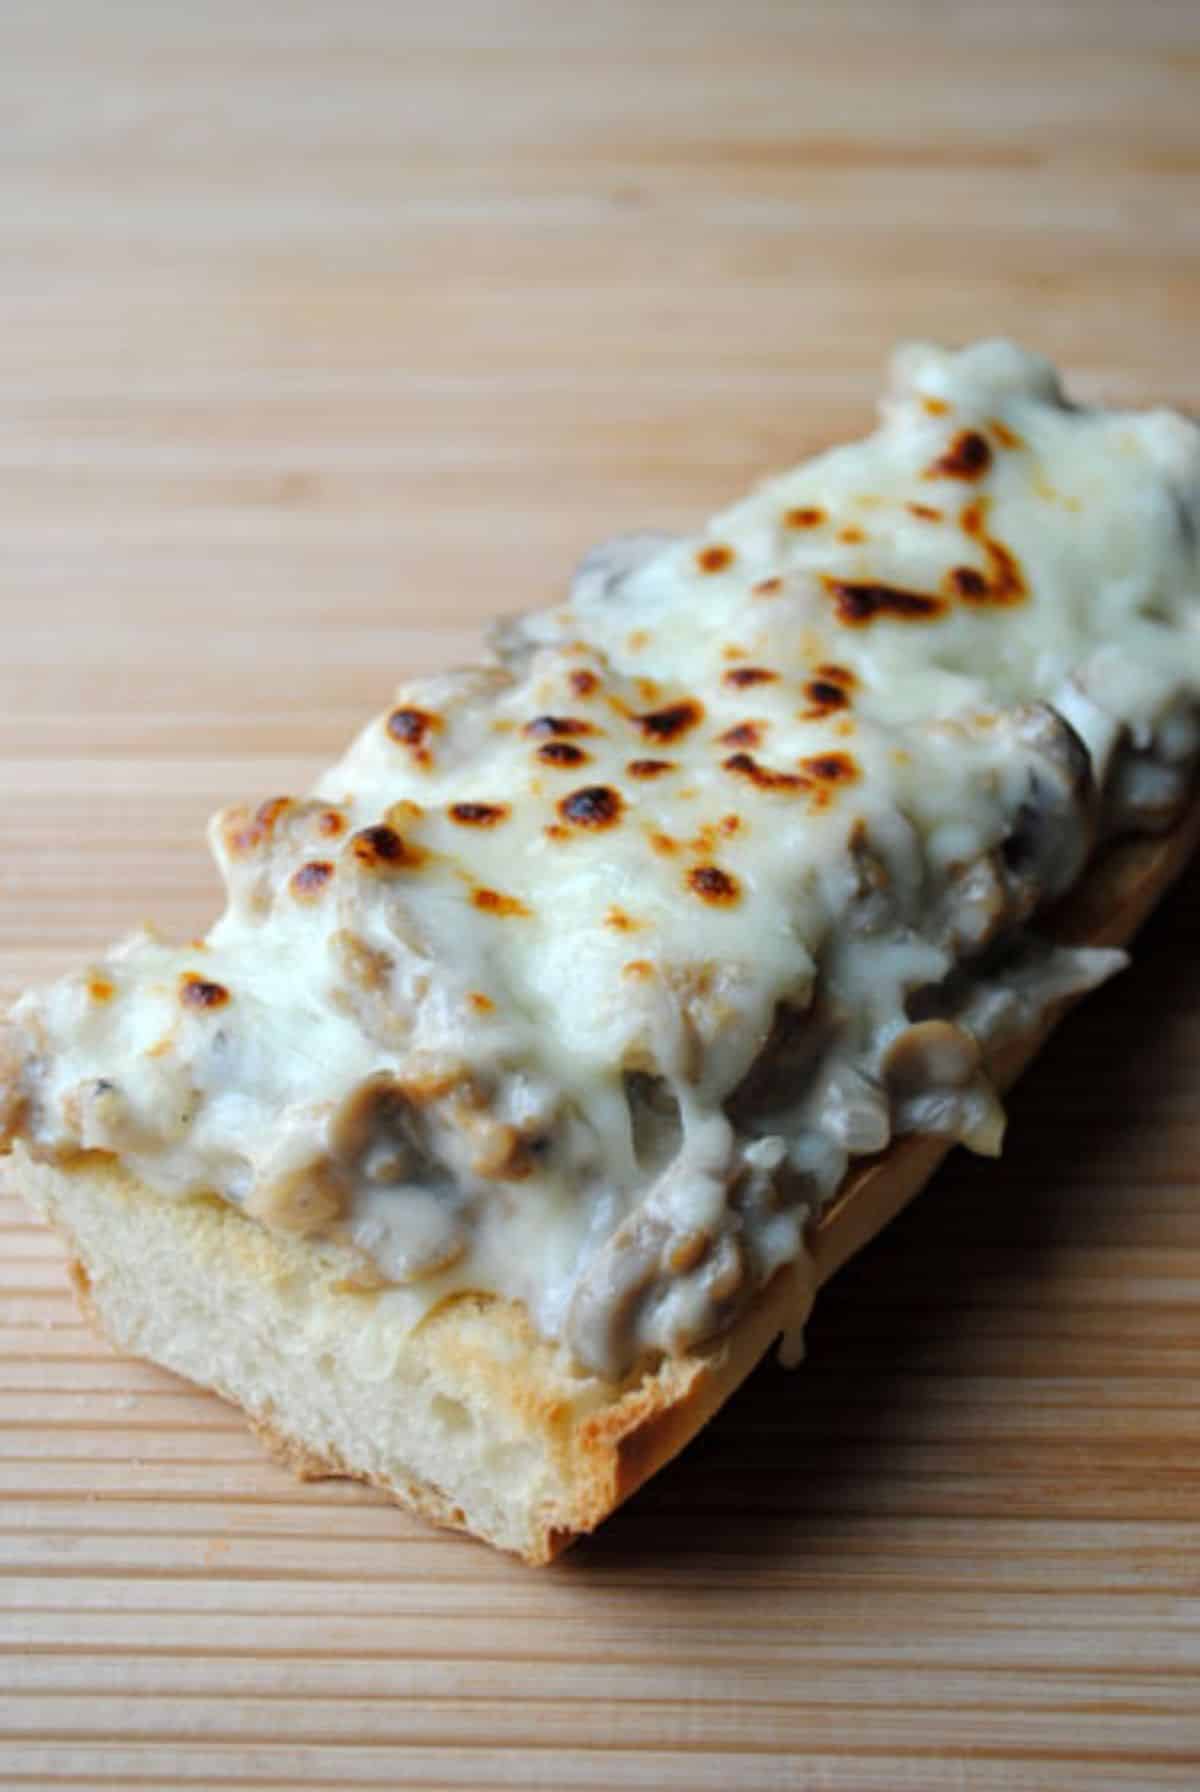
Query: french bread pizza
x,y
605,997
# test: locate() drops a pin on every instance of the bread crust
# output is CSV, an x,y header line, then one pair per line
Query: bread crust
x,y
599,1441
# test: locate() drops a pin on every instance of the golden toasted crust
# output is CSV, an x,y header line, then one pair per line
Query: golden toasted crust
x,y
601,1441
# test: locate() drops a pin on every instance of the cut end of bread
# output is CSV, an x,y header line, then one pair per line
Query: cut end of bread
x,y
471,1420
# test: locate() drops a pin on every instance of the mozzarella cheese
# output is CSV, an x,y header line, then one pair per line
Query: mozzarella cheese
x,y
584,974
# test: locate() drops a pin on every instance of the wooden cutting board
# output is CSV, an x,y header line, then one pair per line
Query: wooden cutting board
x,y
325,330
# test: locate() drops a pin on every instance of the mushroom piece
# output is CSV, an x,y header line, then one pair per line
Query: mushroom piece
x,y
853,1110
1054,825
308,1199
603,1319
933,1054
934,1073
872,905
376,1131
656,1287
777,1077
975,906
378,988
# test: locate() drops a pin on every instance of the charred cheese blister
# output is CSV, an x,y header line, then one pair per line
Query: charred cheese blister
x,y
585,974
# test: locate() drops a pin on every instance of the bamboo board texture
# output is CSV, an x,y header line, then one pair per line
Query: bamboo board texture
x,y
325,331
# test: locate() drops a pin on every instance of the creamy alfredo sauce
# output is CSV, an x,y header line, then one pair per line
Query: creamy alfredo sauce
x,y
584,974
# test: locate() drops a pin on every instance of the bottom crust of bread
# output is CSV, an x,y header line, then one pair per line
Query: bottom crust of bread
x,y
471,1419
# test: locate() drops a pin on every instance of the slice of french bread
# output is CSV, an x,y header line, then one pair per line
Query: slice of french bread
x,y
472,1419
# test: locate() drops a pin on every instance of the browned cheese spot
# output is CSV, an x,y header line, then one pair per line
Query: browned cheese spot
x,y
858,604
823,697
851,534
1005,583
268,813
663,843
968,583
637,639
935,407
330,823
583,682
482,1004
478,815
717,557
831,768
560,727
381,847
244,832
638,967
1007,438
595,806
837,674
311,879
413,728
928,513
669,723
804,516
767,587
744,765
649,768
623,923
707,841
197,992
742,734
495,902
561,752
741,676
968,457
100,989
713,885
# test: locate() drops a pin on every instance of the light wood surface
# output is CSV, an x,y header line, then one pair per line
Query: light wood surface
x,y
325,331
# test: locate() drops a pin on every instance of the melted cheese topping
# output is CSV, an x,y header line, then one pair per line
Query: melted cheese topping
x,y
581,977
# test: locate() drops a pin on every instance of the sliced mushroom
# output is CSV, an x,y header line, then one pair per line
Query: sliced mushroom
x,y
655,1287
852,1110
973,1115
307,1199
368,988
872,905
933,1054
777,1077
1054,825
603,1319
377,1124
975,906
